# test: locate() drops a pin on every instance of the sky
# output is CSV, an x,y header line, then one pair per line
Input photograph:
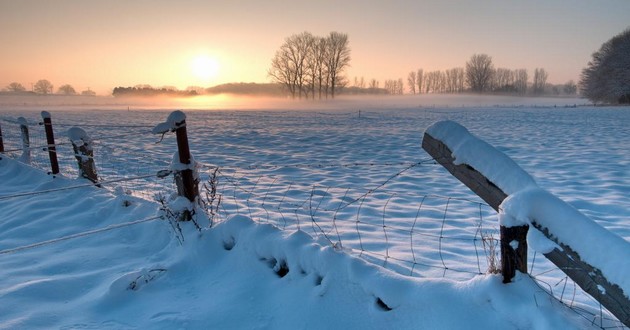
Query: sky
x,y
104,44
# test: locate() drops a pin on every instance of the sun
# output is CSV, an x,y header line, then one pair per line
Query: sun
x,y
204,67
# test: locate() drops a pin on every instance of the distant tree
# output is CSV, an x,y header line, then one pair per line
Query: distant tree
x,y
289,65
454,79
570,88
66,90
43,87
195,89
540,81
88,92
411,82
479,71
321,76
520,81
374,84
606,77
15,87
338,58
420,80
504,80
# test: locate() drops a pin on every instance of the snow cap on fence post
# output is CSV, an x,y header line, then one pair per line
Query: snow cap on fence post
x,y
183,163
26,142
82,145
50,139
488,173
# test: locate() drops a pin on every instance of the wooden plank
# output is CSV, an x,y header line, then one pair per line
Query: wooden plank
x,y
589,278
512,259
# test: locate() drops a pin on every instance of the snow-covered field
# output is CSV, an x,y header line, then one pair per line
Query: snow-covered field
x,y
372,232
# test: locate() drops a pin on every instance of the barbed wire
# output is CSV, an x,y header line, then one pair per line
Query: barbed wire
x,y
77,235
90,184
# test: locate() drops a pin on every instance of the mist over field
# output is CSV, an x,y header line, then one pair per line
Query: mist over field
x,y
237,102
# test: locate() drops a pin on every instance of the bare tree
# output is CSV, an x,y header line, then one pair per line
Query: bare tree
x,y
479,71
420,80
43,87
504,80
454,80
520,81
373,84
15,87
570,88
338,59
540,80
66,90
411,81
289,65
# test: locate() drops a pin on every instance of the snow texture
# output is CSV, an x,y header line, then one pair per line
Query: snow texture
x,y
246,274
239,274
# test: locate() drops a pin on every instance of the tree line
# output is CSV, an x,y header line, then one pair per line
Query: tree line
x,y
45,87
478,76
309,66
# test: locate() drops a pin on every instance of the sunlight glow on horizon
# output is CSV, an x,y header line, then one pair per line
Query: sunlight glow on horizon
x,y
101,45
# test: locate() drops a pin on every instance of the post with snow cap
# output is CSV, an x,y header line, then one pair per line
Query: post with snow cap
x,y
513,241
50,139
499,181
82,146
187,185
26,141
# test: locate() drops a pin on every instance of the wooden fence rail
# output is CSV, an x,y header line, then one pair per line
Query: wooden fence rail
x,y
441,146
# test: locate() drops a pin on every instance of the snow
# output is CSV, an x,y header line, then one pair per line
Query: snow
x,y
527,204
78,136
134,270
173,121
603,249
46,115
228,277
470,150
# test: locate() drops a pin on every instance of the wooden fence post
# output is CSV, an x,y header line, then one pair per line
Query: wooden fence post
x,y
588,277
513,239
26,141
182,167
188,186
1,141
50,138
82,145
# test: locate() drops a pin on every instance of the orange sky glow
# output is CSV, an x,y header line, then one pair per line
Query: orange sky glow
x,y
104,44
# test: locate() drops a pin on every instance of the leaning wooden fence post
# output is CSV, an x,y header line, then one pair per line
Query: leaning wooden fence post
x,y
26,141
575,260
82,146
513,241
50,139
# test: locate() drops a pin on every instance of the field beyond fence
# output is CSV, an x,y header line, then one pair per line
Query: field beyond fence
x,y
386,209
